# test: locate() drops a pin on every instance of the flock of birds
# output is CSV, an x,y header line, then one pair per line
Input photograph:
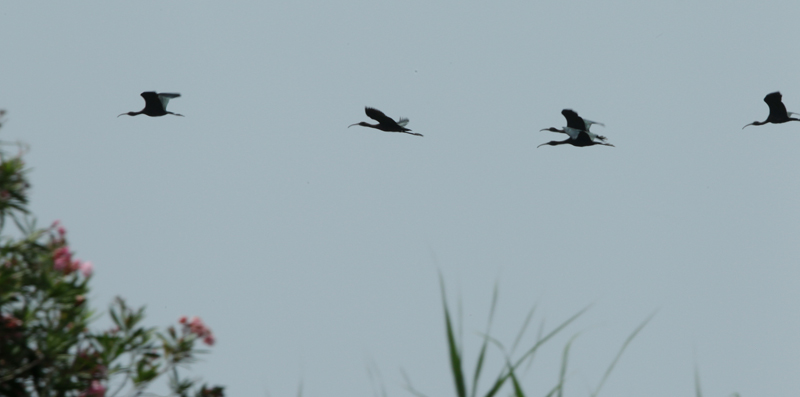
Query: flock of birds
x,y
155,104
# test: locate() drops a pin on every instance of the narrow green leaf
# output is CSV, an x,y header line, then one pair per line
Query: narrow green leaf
x,y
563,373
481,356
697,389
622,350
455,354
517,388
409,387
525,324
501,379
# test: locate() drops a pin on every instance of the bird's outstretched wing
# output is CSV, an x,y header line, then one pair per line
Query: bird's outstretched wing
x,y
773,98
149,96
402,122
152,103
572,132
164,97
378,116
590,122
573,120
777,110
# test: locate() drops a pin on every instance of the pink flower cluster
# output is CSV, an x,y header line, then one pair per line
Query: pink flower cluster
x,y
62,257
197,327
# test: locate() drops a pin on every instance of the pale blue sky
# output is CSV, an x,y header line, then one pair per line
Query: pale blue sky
x,y
312,249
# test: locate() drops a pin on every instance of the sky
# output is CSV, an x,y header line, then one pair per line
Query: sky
x,y
313,250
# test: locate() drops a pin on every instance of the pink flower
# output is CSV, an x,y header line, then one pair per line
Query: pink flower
x,y
74,266
62,259
96,389
57,225
182,320
197,327
86,268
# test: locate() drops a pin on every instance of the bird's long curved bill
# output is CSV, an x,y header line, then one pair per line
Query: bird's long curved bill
x,y
352,125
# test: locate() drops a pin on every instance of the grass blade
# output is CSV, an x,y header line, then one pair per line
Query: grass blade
x,y
502,379
697,389
409,387
563,373
525,324
619,354
517,388
455,354
482,354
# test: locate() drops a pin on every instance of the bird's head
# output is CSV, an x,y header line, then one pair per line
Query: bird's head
x,y
129,114
363,124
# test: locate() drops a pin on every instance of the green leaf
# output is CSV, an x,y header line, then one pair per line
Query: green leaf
x,y
482,354
622,350
455,354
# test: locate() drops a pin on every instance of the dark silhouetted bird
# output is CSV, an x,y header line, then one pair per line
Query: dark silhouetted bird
x,y
155,104
384,122
777,111
578,130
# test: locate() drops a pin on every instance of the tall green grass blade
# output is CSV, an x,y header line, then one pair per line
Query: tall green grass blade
x,y
698,391
553,391
409,387
525,324
376,379
559,387
503,378
539,334
552,333
455,353
619,354
517,388
482,355
563,373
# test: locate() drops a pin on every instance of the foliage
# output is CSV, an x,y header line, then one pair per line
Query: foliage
x,y
47,347
508,374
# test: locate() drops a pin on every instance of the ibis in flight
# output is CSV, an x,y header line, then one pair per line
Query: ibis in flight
x,y
777,111
155,104
385,123
578,130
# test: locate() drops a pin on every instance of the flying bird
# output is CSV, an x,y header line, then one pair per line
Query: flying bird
x,y
578,130
385,123
777,111
155,104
